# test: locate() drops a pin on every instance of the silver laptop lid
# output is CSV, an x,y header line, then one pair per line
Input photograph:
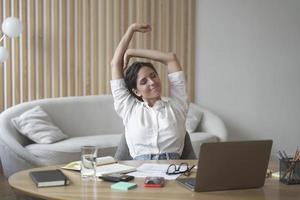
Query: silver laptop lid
x,y
232,165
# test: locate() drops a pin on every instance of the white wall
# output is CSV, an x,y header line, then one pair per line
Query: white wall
x,y
248,67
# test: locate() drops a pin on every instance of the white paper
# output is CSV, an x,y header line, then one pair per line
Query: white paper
x,y
113,168
150,169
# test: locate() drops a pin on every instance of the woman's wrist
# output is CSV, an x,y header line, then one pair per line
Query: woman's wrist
x,y
132,27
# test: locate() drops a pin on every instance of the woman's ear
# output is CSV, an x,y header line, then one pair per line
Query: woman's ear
x,y
136,92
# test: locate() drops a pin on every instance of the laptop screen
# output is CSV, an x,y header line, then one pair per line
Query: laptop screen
x,y
231,165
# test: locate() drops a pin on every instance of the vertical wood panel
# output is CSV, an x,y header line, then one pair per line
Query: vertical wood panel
x,y
47,48
70,48
66,45
93,49
109,42
7,64
102,45
15,60
23,52
31,49
2,106
80,48
191,48
62,49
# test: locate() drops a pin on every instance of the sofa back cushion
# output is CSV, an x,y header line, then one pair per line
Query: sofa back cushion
x,y
88,115
75,116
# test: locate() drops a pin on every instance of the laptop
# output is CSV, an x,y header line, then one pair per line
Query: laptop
x,y
230,165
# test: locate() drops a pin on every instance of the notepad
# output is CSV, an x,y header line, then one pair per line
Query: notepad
x,y
49,178
99,161
113,168
105,166
124,186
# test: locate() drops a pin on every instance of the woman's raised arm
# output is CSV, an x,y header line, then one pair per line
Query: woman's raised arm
x,y
117,60
168,59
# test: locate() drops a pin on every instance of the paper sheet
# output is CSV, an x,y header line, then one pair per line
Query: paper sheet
x,y
150,169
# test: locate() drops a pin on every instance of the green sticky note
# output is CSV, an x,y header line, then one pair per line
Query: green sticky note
x,y
123,186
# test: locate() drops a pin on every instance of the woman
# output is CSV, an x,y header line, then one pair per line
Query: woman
x,y
154,126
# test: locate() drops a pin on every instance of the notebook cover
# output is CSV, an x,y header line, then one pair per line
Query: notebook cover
x,y
47,178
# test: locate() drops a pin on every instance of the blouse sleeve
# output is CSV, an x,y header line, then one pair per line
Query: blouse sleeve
x,y
123,100
178,90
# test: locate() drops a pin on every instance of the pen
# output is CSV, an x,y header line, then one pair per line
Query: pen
x,y
285,155
280,155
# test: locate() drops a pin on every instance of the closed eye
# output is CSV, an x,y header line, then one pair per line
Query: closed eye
x,y
143,81
153,75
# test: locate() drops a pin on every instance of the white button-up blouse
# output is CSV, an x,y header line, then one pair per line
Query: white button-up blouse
x,y
157,129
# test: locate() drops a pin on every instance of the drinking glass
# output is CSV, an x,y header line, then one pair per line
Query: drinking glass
x,y
88,162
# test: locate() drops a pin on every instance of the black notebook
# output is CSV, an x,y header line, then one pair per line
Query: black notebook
x,y
49,178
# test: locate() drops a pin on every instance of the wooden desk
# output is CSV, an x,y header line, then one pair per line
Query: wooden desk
x,y
273,190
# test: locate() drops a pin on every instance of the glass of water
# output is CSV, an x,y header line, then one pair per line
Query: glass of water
x,y
88,162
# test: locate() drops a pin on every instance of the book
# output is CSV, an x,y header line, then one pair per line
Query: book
x,y
105,160
113,169
124,186
99,161
105,166
73,166
48,178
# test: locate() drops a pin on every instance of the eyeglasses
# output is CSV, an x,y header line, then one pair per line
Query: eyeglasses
x,y
182,168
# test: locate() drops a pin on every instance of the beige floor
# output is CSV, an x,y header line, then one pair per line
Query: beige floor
x,y
6,192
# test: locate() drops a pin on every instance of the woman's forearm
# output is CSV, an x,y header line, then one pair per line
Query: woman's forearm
x,y
117,60
116,63
168,59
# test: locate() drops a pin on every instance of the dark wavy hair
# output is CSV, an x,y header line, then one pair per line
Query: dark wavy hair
x,y
131,76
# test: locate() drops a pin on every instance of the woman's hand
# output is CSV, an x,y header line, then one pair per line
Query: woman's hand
x,y
118,62
143,28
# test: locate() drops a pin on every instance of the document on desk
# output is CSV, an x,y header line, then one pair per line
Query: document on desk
x,y
150,169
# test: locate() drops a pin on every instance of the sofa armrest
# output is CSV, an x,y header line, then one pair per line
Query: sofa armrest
x,y
13,141
211,123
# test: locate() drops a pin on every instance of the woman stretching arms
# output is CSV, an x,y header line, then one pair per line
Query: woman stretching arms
x,y
154,125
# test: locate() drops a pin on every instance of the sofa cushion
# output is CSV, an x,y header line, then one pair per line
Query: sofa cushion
x,y
38,126
199,138
69,150
193,119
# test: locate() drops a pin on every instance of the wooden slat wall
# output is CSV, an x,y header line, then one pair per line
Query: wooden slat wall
x,y
66,45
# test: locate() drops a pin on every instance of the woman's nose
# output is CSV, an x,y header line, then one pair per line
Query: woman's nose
x,y
151,81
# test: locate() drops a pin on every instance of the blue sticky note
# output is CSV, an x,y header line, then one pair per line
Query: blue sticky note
x,y
123,186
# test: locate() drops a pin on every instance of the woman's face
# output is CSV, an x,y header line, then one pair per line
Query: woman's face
x,y
148,85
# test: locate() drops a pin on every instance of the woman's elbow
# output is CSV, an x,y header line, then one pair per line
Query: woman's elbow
x,y
172,57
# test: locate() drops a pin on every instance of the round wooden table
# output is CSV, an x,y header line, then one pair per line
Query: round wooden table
x,y
78,189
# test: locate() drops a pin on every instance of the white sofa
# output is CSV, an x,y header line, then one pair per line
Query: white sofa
x,y
89,120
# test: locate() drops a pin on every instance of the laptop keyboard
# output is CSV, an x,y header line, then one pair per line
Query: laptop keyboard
x,y
191,182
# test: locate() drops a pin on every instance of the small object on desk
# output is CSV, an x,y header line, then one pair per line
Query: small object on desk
x,y
117,177
290,169
49,178
275,175
153,181
269,173
124,186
